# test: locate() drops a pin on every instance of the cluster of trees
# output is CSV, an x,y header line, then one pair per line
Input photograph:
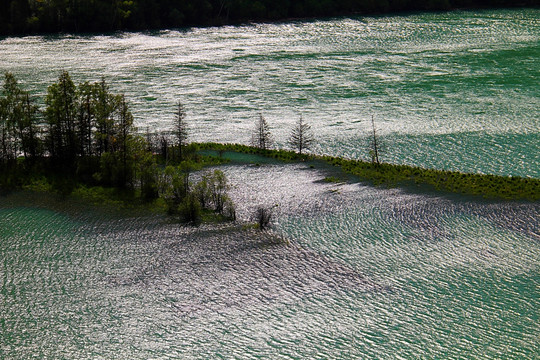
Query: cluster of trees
x,y
190,200
85,131
18,123
85,135
39,16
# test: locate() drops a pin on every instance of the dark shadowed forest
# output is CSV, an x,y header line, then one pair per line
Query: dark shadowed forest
x,y
52,16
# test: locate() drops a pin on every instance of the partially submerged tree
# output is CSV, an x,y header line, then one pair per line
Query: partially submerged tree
x,y
190,210
261,136
301,136
263,217
171,187
211,191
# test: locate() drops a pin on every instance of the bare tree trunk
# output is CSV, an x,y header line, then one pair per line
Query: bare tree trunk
x,y
375,147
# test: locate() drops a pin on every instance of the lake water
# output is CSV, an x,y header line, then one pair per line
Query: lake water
x,y
454,90
368,272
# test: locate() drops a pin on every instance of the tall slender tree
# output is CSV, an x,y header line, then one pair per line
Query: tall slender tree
x,y
261,136
180,130
10,111
61,116
301,136
105,105
374,151
86,117
124,136
18,122
28,128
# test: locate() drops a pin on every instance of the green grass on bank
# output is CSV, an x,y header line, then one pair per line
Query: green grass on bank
x,y
487,186
211,154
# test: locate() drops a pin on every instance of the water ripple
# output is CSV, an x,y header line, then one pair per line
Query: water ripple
x,y
422,76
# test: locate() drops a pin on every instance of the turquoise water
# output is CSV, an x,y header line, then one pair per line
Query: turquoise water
x,y
368,272
452,90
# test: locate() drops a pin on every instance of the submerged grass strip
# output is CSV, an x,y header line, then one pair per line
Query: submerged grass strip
x,y
488,186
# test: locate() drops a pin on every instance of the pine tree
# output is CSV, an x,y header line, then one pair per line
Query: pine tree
x,y
86,117
18,122
180,130
124,131
28,128
301,136
10,111
261,137
104,104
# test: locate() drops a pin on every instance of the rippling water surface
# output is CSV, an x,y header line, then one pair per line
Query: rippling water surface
x,y
454,90
367,272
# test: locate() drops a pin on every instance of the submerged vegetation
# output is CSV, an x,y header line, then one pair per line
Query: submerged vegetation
x,y
488,186
84,143
50,16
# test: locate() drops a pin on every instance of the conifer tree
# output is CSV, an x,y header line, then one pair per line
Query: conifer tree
x,y
61,115
85,117
124,135
28,128
18,122
9,113
301,136
104,107
261,136
180,130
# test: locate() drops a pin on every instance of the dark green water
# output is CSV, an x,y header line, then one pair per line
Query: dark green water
x,y
369,273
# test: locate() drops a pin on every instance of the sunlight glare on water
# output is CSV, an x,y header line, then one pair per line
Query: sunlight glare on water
x,y
350,271
463,78
368,272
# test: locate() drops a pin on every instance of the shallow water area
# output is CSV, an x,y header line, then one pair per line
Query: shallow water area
x,y
349,271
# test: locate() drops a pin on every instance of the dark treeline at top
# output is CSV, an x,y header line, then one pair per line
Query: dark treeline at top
x,y
52,16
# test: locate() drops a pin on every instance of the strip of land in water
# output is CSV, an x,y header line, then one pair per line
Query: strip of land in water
x,y
484,185
383,174
87,145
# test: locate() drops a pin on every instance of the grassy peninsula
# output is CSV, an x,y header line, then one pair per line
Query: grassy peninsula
x,y
384,174
84,143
